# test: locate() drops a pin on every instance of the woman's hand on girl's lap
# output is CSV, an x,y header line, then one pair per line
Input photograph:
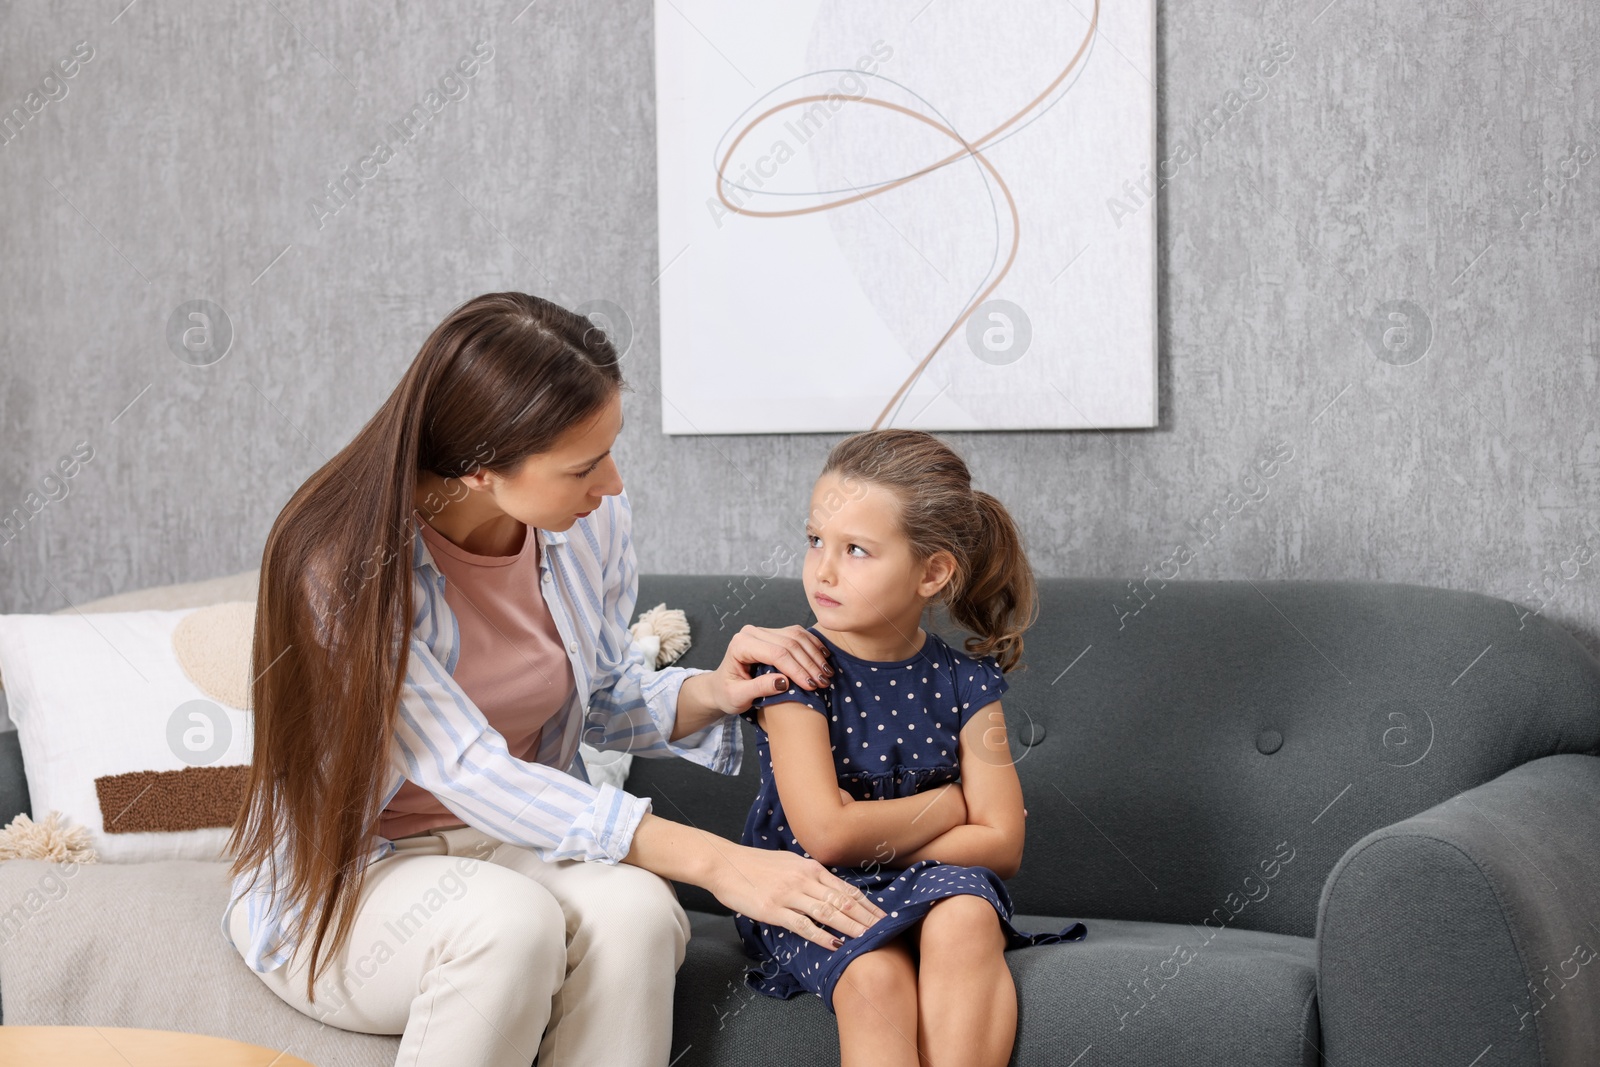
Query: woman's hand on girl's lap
x,y
783,888
801,659
774,886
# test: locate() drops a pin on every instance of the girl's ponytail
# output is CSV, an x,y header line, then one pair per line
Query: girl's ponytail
x,y
998,601
992,591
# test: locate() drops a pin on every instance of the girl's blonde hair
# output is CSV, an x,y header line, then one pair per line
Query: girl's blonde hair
x,y
992,592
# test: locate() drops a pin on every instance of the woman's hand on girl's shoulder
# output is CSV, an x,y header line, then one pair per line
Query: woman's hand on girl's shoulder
x,y
798,654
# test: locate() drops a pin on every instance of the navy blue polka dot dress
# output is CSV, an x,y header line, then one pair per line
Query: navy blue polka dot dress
x,y
894,727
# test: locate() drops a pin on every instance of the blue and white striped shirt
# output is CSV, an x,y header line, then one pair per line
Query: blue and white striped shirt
x,y
444,743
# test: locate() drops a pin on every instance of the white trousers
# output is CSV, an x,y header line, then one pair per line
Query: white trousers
x,y
481,954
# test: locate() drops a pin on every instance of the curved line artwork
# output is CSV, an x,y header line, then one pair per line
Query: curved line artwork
x,y
968,149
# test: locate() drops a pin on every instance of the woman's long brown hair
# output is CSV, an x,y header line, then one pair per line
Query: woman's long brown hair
x,y
992,592
500,379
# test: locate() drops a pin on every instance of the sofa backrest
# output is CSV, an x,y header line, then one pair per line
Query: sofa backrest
x,y
1206,751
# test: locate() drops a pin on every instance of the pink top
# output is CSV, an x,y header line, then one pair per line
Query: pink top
x,y
511,662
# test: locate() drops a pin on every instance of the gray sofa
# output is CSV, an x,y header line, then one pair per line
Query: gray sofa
x,y
1304,822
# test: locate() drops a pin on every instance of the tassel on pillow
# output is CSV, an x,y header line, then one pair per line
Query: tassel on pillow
x,y
663,633
24,839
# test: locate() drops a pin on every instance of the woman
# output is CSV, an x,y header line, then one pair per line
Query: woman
x,y
443,607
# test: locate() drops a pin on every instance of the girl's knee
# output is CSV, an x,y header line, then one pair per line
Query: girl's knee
x,y
965,921
872,976
875,967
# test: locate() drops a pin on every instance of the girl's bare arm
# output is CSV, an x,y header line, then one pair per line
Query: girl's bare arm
x,y
836,833
992,834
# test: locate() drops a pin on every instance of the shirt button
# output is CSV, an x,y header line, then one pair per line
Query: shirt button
x,y
547,576
573,648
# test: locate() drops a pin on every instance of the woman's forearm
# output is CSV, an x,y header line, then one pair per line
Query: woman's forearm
x,y
772,886
705,697
972,845
697,705
673,850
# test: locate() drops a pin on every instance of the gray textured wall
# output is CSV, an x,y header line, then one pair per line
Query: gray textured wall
x,y
1398,156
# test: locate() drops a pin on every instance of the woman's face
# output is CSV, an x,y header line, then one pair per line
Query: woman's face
x,y
550,490
554,489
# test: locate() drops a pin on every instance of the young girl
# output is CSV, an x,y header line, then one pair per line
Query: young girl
x,y
896,774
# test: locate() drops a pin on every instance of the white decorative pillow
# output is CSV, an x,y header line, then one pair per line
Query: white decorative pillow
x,y
116,735
135,719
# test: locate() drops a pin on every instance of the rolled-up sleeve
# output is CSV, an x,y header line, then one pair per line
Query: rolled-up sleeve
x,y
634,708
446,745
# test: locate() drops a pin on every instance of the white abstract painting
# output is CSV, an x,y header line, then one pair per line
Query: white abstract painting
x,y
928,215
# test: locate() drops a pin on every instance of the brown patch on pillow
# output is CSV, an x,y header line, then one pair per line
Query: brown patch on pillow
x,y
194,798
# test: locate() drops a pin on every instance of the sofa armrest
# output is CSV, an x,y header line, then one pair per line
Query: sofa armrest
x,y
1473,926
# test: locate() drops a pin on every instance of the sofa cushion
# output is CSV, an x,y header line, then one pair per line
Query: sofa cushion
x,y
1133,992
141,945
1186,740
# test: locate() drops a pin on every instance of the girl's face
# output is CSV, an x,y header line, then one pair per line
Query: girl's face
x,y
859,573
